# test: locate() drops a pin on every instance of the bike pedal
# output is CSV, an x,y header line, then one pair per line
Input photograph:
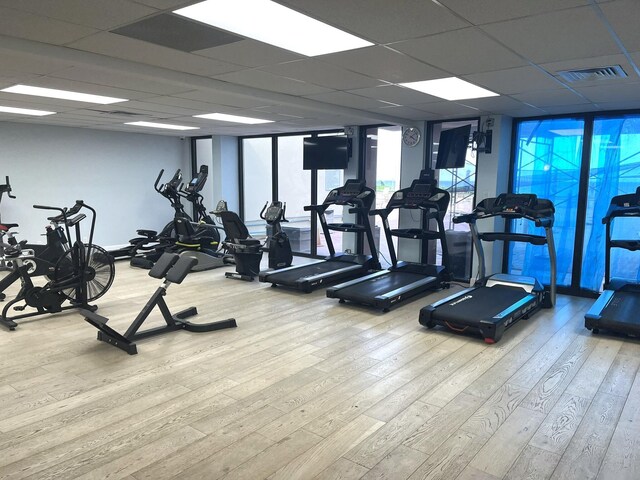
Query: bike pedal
x,y
19,308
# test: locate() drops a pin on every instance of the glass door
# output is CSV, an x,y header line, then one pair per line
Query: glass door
x,y
382,152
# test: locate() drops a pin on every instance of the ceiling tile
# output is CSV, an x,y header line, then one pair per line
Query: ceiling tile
x,y
474,52
323,74
275,83
547,98
562,109
381,21
489,11
20,62
494,105
513,80
92,13
407,112
249,53
213,97
623,16
448,109
16,23
101,76
347,100
524,111
165,4
384,63
624,105
561,35
611,93
127,48
395,94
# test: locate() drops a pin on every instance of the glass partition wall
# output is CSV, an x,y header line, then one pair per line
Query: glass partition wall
x,y
272,169
580,163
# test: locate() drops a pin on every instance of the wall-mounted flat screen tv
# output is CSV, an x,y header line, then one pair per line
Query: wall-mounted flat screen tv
x,y
452,150
326,153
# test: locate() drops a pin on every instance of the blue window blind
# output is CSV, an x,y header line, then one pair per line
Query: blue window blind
x,y
548,155
614,170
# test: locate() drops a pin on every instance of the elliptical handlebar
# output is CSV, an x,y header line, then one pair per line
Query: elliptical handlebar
x,y
155,184
6,188
264,209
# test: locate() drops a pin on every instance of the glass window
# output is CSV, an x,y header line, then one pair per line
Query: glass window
x,y
614,169
383,159
294,188
548,156
256,181
327,181
461,184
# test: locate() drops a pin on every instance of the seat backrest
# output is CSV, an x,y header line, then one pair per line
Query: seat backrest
x,y
234,228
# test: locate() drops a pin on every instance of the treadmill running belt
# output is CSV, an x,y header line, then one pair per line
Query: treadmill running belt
x,y
380,285
624,306
309,270
485,302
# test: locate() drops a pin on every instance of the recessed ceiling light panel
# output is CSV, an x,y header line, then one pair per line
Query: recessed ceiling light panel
x,y
25,111
62,94
223,117
165,126
451,88
275,24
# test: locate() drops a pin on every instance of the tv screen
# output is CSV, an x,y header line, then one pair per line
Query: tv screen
x,y
326,153
452,150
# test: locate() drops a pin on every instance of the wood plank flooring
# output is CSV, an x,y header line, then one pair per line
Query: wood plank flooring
x,y
307,388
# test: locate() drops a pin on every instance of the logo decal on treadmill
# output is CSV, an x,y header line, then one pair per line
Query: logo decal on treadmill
x,y
466,297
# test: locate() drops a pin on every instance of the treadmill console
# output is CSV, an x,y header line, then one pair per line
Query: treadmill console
x,y
352,192
515,202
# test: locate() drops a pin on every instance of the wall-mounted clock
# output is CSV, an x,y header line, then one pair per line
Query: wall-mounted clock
x,y
411,136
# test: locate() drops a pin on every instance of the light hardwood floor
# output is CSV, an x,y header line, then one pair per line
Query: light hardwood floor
x,y
306,388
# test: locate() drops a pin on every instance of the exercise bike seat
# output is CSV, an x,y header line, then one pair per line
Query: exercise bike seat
x,y
7,226
147,233
181,269
163,265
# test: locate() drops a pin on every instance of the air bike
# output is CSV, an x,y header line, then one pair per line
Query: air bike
x,y
80,275
618,308
498,301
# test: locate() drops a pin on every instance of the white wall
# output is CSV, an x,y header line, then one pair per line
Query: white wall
x,y
492,178
111,171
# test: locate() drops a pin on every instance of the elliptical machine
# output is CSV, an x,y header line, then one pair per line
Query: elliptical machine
x,y
147,249
278,244
6,188
83,274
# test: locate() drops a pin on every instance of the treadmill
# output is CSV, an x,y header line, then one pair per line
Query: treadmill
x,y
498,301
404,280
337,266
617,307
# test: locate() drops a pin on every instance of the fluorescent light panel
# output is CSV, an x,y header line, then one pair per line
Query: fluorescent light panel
x,y
25,111
451,88
161,125
62,94
223,117
275,24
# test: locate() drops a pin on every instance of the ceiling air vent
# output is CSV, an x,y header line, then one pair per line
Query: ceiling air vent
x,y
116,113
591,74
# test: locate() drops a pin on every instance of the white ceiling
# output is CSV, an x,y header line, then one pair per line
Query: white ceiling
x,y
513,47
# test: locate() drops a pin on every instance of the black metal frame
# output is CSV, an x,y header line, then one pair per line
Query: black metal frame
x,y
583,186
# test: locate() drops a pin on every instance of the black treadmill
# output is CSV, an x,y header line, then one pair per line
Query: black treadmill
x,y
617,307
404,280
498,301
337,266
